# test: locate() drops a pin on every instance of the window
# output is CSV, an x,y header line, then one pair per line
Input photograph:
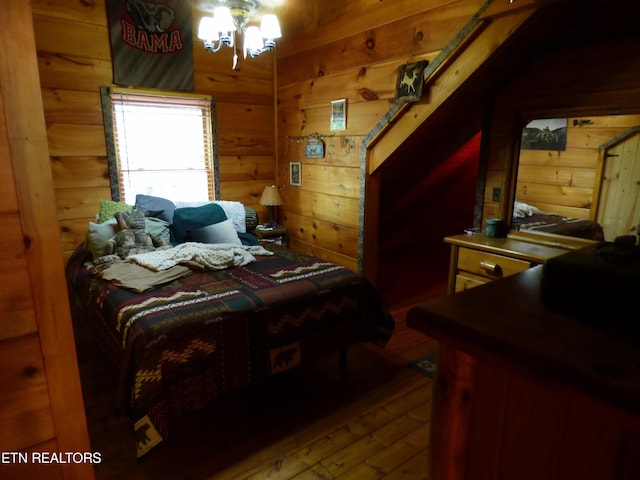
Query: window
x,y
160,145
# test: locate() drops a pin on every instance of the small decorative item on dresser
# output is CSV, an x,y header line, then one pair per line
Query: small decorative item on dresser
x,y
494,228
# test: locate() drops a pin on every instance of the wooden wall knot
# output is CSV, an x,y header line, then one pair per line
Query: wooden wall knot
x,y
26,240
29,371
368,95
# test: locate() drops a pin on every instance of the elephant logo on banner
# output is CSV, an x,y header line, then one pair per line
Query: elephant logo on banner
x,y
151,17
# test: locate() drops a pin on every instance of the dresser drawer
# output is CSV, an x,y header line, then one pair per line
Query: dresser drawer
x,y
465,281
489,265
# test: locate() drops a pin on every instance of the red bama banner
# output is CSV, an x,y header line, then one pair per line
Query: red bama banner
x,y
151,43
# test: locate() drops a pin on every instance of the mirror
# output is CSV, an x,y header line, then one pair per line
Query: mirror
x,y
579,177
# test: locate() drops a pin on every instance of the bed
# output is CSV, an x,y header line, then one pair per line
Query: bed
x,y
199,333
530,218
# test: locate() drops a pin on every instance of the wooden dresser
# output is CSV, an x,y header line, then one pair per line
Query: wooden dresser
x,y
477,259
523,392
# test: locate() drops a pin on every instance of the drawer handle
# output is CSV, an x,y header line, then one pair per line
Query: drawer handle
x,y
490,267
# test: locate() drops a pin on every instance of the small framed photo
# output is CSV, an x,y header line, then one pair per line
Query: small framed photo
x,y
545,134
410,81
314,148
295,174
339,114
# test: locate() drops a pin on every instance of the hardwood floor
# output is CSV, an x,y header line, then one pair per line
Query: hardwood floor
x,y
370,421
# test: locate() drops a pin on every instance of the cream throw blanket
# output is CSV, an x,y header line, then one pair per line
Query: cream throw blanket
x,y
212,256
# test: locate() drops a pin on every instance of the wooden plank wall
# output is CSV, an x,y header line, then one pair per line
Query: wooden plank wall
x,y
75,61
42,409
345,50
564,82
564,182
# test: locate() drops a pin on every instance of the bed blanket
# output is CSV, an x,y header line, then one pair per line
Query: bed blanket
x,y
183,344
208,256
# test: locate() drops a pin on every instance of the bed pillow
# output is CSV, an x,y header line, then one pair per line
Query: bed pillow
x,y
159,230
250,219
97,236
192,218
156,207
108,209
221,232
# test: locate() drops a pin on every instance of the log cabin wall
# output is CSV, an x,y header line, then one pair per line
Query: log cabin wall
x,y
344,50
42,408
74,58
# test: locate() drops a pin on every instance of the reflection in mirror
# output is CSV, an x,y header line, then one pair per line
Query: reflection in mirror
x,y
579,177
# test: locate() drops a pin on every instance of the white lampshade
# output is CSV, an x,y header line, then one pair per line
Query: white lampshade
x,y
252,38
270,27
207,29
224,20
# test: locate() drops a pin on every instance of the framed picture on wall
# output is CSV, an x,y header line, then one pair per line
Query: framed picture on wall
x,y
339,114
295,174
314,148
410,81
545,134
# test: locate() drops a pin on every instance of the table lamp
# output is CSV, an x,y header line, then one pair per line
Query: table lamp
x,y
271,199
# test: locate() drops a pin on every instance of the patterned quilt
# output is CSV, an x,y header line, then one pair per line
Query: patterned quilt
x,y
184,343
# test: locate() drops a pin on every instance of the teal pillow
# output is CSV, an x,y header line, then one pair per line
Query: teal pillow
x,y
192,218
248,238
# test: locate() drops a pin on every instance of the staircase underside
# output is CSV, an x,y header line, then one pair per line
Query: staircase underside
x,y
458,94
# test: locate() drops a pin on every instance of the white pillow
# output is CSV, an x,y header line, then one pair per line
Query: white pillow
x,y
221,232
98,234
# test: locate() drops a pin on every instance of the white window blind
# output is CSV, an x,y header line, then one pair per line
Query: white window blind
x,y
163,146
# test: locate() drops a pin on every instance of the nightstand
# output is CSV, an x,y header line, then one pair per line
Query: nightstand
x,y
277,235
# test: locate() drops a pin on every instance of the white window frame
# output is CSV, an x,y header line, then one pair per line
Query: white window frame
x,y
205,160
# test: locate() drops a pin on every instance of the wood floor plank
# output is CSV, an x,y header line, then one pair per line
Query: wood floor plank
x,y
369,445
346,426
416,468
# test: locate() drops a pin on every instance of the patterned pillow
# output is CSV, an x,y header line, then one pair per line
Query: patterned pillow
x,y
251,218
